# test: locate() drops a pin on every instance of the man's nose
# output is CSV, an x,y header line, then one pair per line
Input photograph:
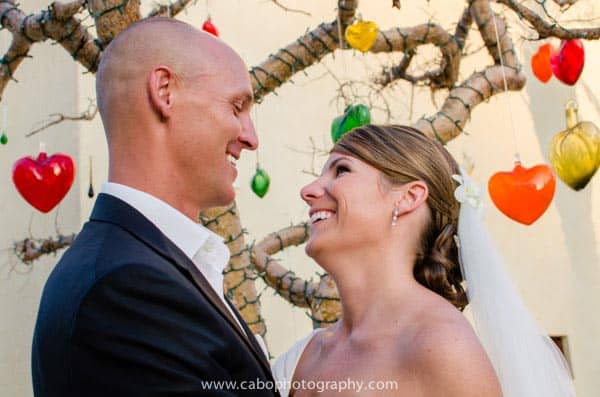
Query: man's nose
x,y
248,136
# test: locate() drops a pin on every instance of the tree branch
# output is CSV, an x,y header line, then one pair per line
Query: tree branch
x,y
30,249
113,16
64,11
88,115
18,50
462,28
293,288
389,75
346,12
563,3
41,26
58,23
239,275
278,4
450,120
546,29
487,22
304,52
170,10
408,39
322,298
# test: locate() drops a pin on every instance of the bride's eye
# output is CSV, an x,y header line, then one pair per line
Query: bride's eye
x,y
340,169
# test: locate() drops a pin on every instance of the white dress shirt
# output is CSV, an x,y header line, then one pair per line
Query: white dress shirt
x,y
205,248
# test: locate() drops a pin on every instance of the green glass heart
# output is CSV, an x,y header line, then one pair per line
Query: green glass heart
x,y
3,138
354,116
260,182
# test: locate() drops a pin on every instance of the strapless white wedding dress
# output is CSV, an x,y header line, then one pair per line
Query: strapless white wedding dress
x,y
285,365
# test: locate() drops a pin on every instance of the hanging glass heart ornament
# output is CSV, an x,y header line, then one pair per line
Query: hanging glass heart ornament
x,y
540,63
209,27
567,63
354,116
361,35
523,194
44,182
575,152
3,138
260,182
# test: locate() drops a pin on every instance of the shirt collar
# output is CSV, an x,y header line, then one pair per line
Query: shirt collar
x,y
186,234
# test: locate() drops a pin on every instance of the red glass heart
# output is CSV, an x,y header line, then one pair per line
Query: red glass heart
x,y
540,63
523,194
567,64
208,26
44,182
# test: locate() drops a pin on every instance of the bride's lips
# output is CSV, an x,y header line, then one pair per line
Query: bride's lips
x,y
318,215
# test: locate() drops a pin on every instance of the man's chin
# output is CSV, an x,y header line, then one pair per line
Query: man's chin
x,y
225,198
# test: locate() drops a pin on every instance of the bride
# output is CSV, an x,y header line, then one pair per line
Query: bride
x,y
384,224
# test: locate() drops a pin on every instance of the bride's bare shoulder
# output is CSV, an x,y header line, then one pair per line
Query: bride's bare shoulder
x,y
449,359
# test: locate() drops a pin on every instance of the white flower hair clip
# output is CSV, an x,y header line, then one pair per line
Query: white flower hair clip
x,y
468,191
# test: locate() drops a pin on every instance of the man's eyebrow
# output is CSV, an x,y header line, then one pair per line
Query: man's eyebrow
x,y
247,97
243,97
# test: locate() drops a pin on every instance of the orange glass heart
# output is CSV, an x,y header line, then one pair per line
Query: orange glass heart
x,y
523,194
540,63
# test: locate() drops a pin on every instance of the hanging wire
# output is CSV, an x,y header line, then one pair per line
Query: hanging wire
x,y
256,129
342,45
510,112
339,25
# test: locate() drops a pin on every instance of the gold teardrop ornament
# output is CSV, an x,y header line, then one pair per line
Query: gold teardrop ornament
x,y
575,152
361,35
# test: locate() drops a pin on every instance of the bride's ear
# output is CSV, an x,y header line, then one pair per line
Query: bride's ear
x,y
411,195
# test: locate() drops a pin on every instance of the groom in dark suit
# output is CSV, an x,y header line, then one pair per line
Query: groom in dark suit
x,y
135,308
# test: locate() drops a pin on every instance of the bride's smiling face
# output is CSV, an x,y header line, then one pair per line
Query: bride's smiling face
x,y
350,206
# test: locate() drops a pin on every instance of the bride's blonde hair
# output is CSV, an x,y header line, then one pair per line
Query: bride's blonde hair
x,y
404,154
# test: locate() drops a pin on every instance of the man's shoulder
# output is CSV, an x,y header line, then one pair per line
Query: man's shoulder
x,y
99,249
106,245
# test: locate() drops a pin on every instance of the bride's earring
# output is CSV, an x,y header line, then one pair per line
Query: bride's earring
x,y
395,214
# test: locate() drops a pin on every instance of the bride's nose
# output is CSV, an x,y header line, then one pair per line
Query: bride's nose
x,y
311,191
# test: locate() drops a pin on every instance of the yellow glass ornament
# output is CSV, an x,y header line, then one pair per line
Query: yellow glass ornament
x,y
575,152
361,35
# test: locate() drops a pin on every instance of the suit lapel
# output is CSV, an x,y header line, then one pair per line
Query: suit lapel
x,y
244,333
251,337
182,261
113,210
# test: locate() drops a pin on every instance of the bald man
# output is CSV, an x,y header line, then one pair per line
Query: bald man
x,y
135,307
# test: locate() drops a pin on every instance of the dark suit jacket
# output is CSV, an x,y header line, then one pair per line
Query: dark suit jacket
x,y
125,313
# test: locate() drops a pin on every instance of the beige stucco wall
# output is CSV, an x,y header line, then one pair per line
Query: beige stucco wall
x,y
48,83
555,262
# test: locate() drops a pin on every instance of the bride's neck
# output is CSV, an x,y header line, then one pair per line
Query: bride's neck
x,y
372,285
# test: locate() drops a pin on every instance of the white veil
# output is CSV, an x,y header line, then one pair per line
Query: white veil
x,y
526,360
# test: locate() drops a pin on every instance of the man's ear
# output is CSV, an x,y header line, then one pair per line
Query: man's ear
x,y
411,196
161,84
